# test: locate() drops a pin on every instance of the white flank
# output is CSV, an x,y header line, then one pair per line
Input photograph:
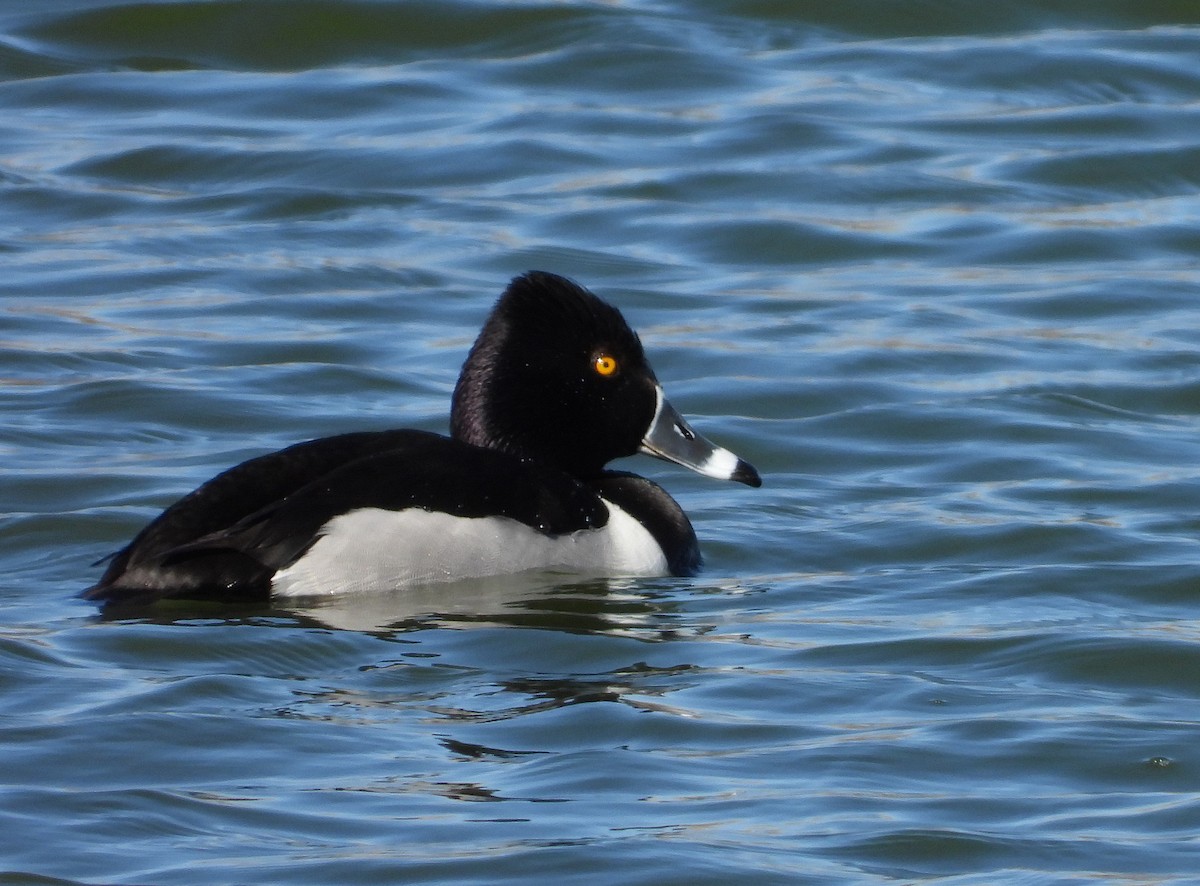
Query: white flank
x,y
377,550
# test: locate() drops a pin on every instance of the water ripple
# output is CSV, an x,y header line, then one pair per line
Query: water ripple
x,y
932,269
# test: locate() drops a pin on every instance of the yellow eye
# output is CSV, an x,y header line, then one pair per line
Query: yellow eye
x,y
605,364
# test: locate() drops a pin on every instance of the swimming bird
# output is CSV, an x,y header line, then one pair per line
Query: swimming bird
x,y
555,387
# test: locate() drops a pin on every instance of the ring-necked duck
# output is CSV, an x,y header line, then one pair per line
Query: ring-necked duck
x,y
555,387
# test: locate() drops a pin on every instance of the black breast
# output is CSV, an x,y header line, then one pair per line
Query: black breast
x,y
650,505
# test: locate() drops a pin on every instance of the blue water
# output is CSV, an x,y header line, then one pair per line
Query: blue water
x,y
931,267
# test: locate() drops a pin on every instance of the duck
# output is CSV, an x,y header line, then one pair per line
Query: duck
x,y
555,387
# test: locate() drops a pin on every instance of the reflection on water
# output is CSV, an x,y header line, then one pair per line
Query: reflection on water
x,y
636,608
528,600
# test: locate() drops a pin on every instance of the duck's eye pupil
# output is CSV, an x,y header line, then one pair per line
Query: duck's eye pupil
x,y
605,364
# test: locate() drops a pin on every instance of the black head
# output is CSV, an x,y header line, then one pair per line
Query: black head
x,y
556,375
